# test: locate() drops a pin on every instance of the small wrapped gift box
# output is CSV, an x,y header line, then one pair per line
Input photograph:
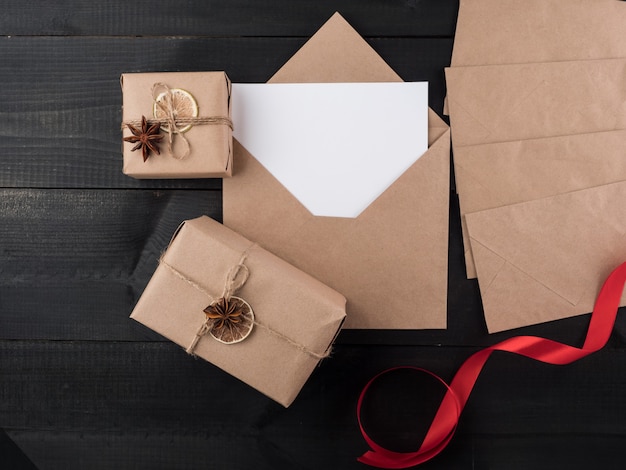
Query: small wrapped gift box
x,y
234,304
176,125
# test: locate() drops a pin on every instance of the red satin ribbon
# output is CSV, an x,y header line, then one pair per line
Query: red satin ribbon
x,y
445,421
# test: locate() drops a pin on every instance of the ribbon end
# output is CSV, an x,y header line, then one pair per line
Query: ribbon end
x,y
379,460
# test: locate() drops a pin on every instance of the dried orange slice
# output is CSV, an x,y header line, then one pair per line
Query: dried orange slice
x,y
183,105
231,320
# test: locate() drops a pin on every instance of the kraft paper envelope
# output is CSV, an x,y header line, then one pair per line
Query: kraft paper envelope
x,y
391,261
504,103
495,175
514,32
546,259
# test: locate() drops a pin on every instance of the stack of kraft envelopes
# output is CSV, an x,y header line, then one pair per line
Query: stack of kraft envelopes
x,y
537,107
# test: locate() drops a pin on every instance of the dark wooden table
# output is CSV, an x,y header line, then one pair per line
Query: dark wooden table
x,y
84,387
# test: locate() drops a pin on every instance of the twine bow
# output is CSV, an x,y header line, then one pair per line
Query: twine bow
x,y
176,124
235,279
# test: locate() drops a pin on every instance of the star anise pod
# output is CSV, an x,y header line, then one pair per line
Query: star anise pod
x,y
229,321
146,138
224,312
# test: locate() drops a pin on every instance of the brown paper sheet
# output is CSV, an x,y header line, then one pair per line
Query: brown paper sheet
x,y
519,102
391,261
490,32
537,112
546,259
514,32
500,174
294,312
494,32
210,145
503,103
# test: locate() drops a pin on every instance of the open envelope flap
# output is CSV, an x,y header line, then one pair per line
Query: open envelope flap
x,y
335,53
546,259
391,261
499,103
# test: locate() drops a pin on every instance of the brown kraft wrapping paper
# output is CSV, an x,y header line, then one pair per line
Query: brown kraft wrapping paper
x,y
546,259
514,32
497,32
296,317
565,104
209,151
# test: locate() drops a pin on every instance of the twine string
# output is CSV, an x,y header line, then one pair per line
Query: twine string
x,y
175,124
235,279
167,107
203,330
184,120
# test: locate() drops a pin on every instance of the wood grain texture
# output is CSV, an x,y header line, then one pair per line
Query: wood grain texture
x,y
425,18
108,396
74,262
95,234
123,383
157,451
61,97
84,387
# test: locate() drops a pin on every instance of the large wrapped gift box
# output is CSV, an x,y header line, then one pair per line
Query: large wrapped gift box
x,y
201,295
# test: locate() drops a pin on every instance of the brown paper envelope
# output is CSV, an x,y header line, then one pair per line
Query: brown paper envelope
x,y
492,32
500,174
514,32
546,259
503,103
391,261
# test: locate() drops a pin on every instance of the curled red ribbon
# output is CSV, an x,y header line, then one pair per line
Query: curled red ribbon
x,y
551,352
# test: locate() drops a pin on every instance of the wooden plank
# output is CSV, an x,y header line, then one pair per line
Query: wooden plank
x,y
171,449
550,451
110,386
149,450
96,310
59,123
74,262
233,18
89,234
99,397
